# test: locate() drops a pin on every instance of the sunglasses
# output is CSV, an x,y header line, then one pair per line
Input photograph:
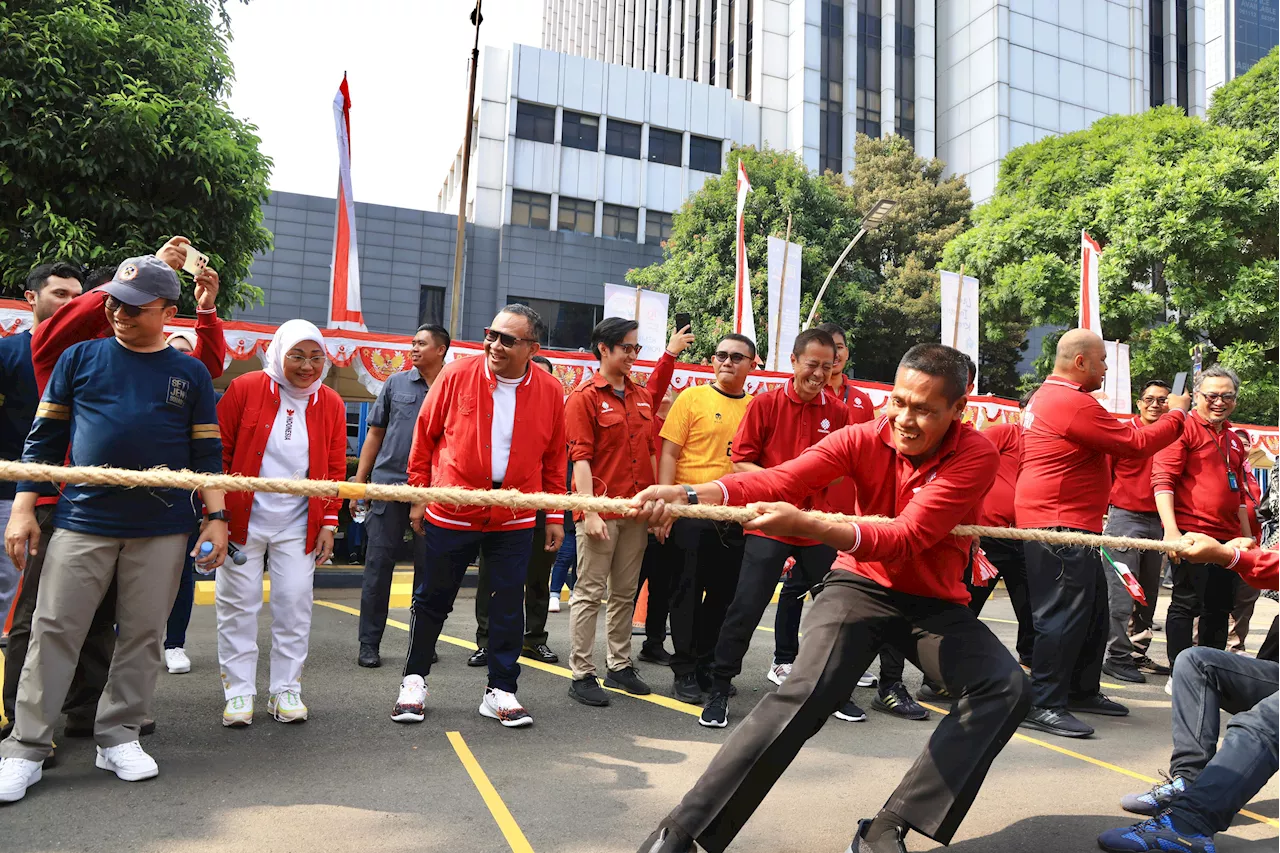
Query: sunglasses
x,y
630,349
735,357
506,340
114,305
1213,398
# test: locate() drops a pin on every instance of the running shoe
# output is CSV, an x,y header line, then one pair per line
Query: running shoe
x,y
896,700
505,708
1155,834
1157,799
238,712
287,707
410,706
850,713
778,673
716,714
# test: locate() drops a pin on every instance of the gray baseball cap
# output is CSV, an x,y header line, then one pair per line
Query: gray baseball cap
x,y
141,280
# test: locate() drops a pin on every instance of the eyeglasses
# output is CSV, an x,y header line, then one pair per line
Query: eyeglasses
x,y
1213,398
506,340
295,359
114,305
1154,401
629,349
735,357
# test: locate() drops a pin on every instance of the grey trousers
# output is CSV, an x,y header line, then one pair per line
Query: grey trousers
x,y
1146,566
78,569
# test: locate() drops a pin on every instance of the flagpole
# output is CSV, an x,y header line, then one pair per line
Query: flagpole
x,y
455,301
782,293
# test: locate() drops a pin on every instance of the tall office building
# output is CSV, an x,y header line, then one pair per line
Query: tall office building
x,y
1237,34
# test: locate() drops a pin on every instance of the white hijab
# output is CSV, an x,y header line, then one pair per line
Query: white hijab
x,y
288,336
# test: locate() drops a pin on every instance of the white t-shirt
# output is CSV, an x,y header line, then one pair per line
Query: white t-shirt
x,y
504,423
286,456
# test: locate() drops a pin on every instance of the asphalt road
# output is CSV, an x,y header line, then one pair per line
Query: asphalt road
x,y
581,779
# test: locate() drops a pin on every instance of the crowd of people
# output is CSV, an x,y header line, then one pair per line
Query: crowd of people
x,y
88,633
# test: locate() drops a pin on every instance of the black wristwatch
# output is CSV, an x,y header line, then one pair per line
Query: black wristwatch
x,y
690,494
220,515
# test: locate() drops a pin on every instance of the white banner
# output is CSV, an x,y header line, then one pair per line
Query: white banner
x,y
960,314
1116,395
782,330
621,301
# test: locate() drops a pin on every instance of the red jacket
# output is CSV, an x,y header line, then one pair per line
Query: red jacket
x,y
247,413
841,496
997,505
1257,567
916,552
1131,488
1194,469
451,443
1065,477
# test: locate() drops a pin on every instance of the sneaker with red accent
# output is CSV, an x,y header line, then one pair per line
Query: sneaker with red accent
x,y
505,708
412,700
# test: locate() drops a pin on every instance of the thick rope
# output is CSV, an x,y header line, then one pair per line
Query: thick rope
x,y
506,498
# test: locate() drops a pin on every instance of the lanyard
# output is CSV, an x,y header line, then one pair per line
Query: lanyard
x,y
1237,484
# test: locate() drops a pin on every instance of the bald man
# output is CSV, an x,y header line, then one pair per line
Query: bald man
x,y
1063,484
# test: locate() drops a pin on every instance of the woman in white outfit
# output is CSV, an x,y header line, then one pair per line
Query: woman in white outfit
x,y
280,422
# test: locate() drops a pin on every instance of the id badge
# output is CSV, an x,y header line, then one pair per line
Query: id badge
x,y
1232,482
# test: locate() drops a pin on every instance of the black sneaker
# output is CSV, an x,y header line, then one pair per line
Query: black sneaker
x,y
588,692
716,713
850,713
1098,703
628,679
541,652
369,656
667,839
1146,664
1056,721
480,657
931,692
896,700
1124,671
889,845
686,689
655,654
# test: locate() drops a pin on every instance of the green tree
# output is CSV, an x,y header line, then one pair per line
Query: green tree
x,y
885,293
115,135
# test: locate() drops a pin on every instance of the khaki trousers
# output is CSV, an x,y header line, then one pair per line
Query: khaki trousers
x,y
612,564
78,569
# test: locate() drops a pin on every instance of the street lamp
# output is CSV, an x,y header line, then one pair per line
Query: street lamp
x,y
870,222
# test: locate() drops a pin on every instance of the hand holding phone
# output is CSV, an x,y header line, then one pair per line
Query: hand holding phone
x,y
196,260
683,318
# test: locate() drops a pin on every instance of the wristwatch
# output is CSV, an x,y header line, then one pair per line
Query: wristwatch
x,y
220,515
690,494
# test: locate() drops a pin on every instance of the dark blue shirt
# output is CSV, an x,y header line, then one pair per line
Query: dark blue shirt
x,y
18,398
396,411
126,409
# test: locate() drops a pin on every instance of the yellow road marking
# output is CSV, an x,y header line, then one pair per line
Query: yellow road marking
x,y
501,814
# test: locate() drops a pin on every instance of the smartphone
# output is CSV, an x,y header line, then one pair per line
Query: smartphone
x,y
1180,382
683,319
196,261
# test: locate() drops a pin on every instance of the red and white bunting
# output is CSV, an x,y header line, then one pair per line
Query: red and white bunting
x,y
344,289
744,315
1090,313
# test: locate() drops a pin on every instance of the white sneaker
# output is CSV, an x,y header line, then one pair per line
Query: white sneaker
x,y
176,661
505,708
553,604
778,673
238,712
287,707
16,776
868,680
413,697
1168,686
129,761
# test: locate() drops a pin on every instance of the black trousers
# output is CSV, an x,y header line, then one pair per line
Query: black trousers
x,y
762,562
384,530
537,591
81,704
708,559
847,624
656,571
1204,590
1009,557
1069,599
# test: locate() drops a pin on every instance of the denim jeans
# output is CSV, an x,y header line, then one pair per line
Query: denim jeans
x,y
562,571
175,635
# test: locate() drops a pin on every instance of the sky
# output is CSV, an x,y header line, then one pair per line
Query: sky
x,y
406,65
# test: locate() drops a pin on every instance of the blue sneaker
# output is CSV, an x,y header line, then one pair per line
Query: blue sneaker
x,y
1156,834
1157,799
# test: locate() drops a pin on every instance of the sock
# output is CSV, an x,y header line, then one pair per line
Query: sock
x,y
886,822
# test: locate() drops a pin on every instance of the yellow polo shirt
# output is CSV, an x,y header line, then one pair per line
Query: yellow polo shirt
x,y
703,421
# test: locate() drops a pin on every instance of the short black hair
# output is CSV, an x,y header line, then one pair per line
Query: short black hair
x,y
98,276
536,325
1158,383
545,362
1025,399
943,362
973,368
742,339
438,333
809,336
834,329
610,331
39,277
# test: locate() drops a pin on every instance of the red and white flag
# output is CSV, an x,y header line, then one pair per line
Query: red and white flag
x,y
344,289
744,314
1090,314
1126,577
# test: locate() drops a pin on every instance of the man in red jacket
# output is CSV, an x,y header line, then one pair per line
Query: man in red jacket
x,y
900,582
1063,484
491,422
1199,484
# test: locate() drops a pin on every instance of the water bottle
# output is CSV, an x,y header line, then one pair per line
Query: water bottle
x,y
359,511
202,558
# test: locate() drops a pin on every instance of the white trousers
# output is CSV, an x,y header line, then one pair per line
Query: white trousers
x,y
238,595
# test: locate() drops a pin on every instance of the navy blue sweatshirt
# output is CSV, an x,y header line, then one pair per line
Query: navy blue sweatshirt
x,y
18,398
126,409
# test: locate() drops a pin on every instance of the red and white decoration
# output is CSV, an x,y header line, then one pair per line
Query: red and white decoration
x,y
744,314
344,289
1090,313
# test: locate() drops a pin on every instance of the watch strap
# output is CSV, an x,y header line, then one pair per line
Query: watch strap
x,y
690,493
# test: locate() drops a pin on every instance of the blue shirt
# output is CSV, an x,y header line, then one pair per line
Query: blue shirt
x,y
126,409
18,398
396,411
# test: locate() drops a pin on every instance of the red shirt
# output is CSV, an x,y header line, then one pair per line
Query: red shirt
x,y
915,553
1258,568
246,413
1131,487
1194,469
778,426
1065,477
451,443
997,506
841,496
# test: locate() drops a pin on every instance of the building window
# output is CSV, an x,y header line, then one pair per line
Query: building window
x,y
715,41
904,78
1180,11
657,226
531,209
831,103
1157,52
704,154
620,223
868,97
569,324
751,22
680,37
667,38
579,130
664,146
697,41
577,215
623,139
535,122
728,66
1255,33
431,305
